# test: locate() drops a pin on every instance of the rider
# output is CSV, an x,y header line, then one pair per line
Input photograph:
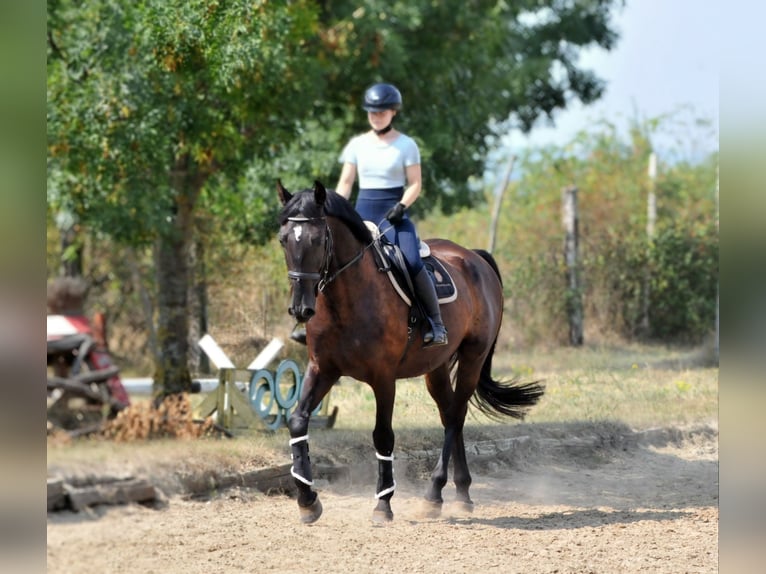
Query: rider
x,y
388,165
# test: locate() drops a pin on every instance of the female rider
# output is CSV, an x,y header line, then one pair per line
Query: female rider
x,y
388,165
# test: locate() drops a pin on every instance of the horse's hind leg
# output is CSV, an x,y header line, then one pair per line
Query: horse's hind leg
x,y
453,406
462,475
440,389
466,379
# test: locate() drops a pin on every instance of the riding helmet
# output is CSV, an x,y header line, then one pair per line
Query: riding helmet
x,y
381,97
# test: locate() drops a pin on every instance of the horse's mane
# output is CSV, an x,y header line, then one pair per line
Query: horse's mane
x,y
303,204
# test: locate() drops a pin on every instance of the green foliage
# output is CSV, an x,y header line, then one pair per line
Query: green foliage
x,y
138,91
468,72
170,120
615,257
684,281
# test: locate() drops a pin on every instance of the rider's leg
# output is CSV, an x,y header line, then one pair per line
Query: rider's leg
x,y
437,334
409,242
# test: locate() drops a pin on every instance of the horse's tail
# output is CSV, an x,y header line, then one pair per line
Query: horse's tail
x,y
503,398
511,398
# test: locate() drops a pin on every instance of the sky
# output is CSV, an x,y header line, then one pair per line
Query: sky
x,y
667,59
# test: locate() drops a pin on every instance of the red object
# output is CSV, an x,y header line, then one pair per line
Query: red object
x,y
63,326
99,359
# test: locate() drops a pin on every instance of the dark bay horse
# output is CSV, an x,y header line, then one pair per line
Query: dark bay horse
x,y
356,325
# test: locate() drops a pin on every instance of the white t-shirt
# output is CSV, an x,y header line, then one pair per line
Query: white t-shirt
x,y
381,165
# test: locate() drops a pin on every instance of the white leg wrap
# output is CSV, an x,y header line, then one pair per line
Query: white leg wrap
x,y
386,491
298,439
299,477
294,474
390,489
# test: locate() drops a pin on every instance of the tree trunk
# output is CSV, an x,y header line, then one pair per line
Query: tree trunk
x,y
172,268
198,360
146,302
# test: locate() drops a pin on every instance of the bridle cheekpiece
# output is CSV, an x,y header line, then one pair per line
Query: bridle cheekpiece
x,y
322,276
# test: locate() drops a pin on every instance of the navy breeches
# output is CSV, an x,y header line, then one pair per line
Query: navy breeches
x,y
373,204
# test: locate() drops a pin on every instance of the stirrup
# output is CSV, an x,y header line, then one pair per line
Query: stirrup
x,y
430,339
299,335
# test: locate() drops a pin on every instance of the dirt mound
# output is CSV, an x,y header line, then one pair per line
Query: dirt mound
x,y
522,447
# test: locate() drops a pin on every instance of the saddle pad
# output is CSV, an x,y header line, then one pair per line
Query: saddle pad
x,y
445,286
446,291
391,262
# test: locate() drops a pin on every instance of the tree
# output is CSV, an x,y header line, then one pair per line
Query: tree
x,y
147,101
163,112
469,71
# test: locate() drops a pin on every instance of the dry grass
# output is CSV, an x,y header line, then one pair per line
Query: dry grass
x,y
638,386
173,418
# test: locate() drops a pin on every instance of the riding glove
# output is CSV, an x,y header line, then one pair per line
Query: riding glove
x,y
396,213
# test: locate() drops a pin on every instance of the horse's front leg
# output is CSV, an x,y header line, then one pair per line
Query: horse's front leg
x,y
315,387
383,439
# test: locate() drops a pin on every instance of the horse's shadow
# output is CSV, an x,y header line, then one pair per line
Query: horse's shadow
x,y
570,519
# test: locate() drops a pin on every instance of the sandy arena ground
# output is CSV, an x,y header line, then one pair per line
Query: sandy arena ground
x,y
638,508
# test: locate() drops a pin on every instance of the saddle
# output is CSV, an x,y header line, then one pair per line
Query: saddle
x,y
390,261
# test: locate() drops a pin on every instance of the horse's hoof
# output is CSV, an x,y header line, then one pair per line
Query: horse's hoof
x,y
431,508
310,514
382,516
462,507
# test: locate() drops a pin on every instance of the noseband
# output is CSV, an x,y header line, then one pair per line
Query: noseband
x,y
321,276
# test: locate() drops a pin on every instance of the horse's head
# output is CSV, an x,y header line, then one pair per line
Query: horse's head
x,y
306,241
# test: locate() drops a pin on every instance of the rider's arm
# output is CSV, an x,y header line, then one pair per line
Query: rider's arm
x,y
346,180
414,184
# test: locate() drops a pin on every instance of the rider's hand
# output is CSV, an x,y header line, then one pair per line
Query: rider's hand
x,y
396,214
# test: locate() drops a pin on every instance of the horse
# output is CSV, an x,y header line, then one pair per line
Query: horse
x,y
357,326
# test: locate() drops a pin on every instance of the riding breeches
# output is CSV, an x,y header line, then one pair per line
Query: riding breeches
x,y
373,204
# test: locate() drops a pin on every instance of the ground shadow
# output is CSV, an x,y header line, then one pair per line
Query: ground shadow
x,y
572,519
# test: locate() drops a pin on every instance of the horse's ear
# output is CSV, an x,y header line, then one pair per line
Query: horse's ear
x,y
284,195
320,193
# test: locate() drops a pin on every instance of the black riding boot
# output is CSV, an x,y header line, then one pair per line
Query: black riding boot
x,y
424,287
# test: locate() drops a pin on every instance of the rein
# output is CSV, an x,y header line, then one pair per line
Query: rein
x,y
323,275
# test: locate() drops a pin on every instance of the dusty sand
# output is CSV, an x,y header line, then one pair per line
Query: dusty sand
x,y
650,506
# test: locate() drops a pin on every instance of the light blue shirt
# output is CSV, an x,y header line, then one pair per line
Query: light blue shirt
x,y
381,165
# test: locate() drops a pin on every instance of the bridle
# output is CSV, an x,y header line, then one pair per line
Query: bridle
x,y
322,276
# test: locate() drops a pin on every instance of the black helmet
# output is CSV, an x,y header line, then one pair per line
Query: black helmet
x,y
382,97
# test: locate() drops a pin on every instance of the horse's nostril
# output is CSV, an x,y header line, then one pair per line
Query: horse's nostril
x,y
309,313
291,311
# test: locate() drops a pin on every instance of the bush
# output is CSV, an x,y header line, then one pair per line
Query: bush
x,y
684,282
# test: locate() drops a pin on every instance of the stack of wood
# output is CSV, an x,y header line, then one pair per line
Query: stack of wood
x,y
77,495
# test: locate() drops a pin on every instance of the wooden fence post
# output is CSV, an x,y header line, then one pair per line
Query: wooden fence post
x,y
716,349
573,291
651,219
